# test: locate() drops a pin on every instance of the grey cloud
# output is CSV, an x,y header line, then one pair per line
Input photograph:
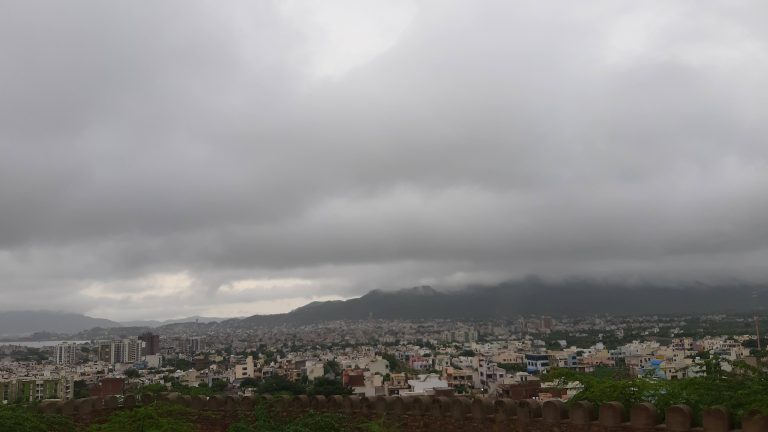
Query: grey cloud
x,y
491,141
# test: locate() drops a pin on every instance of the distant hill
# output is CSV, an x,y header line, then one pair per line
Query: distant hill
x,y
18,324
22,323
156,323
506,300
530,296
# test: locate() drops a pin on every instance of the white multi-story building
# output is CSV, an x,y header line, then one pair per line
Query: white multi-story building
x,y
537,363
66,353
133,348
120,351
489,373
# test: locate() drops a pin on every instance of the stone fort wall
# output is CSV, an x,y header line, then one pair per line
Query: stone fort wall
x,y
428,413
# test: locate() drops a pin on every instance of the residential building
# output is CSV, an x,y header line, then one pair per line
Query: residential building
x,y
425,384
245,370
32,389
65,353
196,345
151,343
537,363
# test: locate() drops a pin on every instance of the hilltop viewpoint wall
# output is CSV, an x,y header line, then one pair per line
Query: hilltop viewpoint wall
x,y
429,413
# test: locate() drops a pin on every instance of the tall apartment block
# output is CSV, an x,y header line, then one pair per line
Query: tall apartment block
x,y
66,353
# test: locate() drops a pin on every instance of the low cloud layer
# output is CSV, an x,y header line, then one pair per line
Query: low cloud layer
x,y
178,158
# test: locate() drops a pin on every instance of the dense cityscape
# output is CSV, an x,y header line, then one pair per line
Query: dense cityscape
x,y
499,359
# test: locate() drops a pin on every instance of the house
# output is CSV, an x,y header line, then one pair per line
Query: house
x,y
537,363
488,374
397,382
425,384
190,378
314,371
509,357
458,377
378,366
353,378
420,363
521,385
245,370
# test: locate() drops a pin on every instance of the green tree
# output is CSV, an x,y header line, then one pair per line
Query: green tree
x,y
704,355
395,365
201,389
328,387
741,390
17,418
80,389
332,367
266,421
131,373
155,418
278,384
513,367
248,382
219,385
269,356
153,388
178,364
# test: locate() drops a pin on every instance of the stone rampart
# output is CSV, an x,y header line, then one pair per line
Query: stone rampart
x,y
425,413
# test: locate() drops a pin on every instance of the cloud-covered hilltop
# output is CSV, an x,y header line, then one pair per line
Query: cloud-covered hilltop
x,y
530,296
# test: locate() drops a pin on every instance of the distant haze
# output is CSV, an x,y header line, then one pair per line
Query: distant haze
x,y
178,158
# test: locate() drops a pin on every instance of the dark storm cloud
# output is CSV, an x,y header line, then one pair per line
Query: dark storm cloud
x,y
248,157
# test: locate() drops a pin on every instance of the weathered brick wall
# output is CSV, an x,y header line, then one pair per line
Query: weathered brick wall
x,y
427,413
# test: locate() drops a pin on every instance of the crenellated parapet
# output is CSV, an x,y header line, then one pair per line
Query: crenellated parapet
x,y
422,413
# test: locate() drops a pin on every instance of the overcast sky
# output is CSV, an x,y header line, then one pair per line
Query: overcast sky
x,y
169,158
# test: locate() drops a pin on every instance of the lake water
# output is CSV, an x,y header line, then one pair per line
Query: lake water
x,y
40,344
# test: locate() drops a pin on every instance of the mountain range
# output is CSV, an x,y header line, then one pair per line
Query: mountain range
x,y
506,300
23,323
18,323
530,296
